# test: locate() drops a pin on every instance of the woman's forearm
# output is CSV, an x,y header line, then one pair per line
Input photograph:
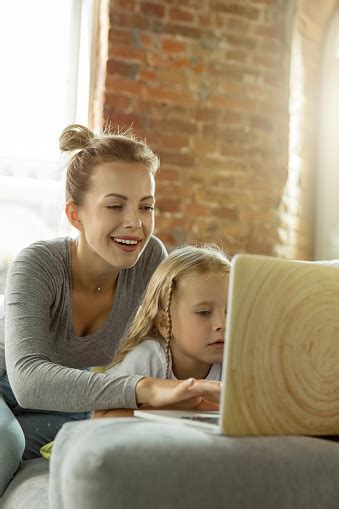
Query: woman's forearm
x,y
188,393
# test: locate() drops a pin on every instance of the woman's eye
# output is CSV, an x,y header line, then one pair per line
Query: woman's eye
x,y
114,207
204,312
147,208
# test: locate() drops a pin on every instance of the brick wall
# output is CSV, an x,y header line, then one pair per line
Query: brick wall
x,y
207,83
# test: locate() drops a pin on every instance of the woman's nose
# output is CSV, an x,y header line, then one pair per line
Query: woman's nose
x,y
131,218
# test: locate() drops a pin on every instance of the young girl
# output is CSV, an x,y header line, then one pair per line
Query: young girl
x,y
179,329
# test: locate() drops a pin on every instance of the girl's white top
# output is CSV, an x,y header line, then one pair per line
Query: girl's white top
x,y
149,359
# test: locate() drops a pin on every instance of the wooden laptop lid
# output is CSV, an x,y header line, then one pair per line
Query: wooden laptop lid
x,y
281,360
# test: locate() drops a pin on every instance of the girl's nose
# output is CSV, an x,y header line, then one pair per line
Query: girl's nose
x,y
220,323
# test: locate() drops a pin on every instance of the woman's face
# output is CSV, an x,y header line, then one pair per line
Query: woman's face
x,y
117,215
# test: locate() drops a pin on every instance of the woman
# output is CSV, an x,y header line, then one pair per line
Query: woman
x,y
68,301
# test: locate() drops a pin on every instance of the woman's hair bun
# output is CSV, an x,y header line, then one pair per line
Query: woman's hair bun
x,y
74,137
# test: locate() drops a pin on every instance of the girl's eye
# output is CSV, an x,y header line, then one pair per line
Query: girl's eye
x,y
204,312
147,208
114,207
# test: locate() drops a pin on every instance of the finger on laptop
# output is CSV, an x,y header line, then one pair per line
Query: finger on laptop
x,y
208,390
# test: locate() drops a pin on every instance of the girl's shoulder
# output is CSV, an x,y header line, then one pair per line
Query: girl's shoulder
x,y
147,358
150,346
215,372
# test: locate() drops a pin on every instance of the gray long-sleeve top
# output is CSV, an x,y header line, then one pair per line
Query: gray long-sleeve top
x,y
45,360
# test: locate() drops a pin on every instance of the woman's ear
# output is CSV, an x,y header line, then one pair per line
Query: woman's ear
x,y
73,216
161,322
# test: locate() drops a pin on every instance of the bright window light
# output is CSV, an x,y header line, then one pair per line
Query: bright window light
x,y
45,61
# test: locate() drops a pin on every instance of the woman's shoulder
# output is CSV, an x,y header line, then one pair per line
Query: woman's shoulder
x,y
156,247
46,250
50,257
153,254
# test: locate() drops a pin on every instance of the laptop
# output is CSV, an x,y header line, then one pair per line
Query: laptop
x,y
281,357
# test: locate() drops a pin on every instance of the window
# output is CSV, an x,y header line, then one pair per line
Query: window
x,y
45,58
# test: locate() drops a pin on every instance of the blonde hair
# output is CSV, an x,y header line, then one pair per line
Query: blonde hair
x,y
92,149
184,261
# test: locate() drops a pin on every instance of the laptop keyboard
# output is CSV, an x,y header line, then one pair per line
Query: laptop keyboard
x,y
209,420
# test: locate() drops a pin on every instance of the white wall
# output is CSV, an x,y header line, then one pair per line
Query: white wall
x,y
327,185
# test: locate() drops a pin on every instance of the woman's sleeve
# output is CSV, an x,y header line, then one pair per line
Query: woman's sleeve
x,y
156,254
146,359
37,380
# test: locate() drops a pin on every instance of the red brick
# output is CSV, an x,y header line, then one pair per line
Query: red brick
x,y
124,86
175,125
173,45
176,158
241,41
120,37
119,102
177,14
174,141
131,21
236,8
226,213
268,31
208,114
145,40
123,120
125,5
147,75
168,96
152,9
238,25
236,55
167,173
122,52
121,68
186,31
169,205
180,63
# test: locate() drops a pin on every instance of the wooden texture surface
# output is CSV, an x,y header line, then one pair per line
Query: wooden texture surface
x,y
282,348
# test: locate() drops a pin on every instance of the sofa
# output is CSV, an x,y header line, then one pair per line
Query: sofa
x,y
130,463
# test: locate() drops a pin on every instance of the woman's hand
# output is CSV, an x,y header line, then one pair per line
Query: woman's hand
x,y
191,393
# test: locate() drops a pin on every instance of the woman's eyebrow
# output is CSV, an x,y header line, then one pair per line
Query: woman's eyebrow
x,y
150,197
116,196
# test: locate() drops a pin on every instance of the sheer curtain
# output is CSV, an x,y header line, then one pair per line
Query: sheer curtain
x,y
45,82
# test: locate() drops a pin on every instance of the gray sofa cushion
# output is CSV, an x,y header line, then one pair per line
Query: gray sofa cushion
x,y
131,463
29,488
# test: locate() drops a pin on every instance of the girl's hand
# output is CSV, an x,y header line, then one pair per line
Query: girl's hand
x,y
191,393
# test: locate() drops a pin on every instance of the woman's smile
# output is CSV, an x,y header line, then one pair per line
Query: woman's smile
x,y
127,243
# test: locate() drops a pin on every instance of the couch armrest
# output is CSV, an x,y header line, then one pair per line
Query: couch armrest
x,y
137,464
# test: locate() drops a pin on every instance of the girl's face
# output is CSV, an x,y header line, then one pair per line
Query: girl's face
x,y
117,215
198,313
